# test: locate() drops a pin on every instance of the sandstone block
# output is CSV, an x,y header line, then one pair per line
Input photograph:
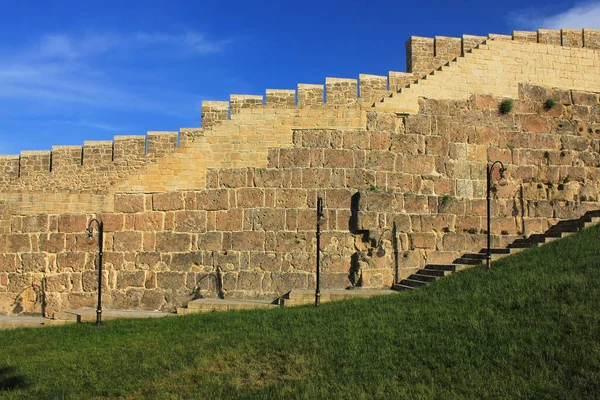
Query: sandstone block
x,y
172,242
35,223
74,261
171,280
335,158
189,221
18,243
34,262
269,219
250,197
149,221
269,261
230,220
127,241
294,158
291,198
127,279
72,223
113,222
58,282
168,201
213,199
129,203
153,299
248,241
316,178
249,280
8,263
212,241
422,240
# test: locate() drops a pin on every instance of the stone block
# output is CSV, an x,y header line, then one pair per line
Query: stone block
x,y
72,223
168,201
129,203
250,197
422,240
454,242
213,199
127,241
266,219
18,243
248,241
153,299
230,220
250,281
74,261
34,262
316,178
269,261
171,280
189,221
335,158
127,279
149,221
58,282
172,242
8,263
291,198
35,223
268,177
294,158
210,241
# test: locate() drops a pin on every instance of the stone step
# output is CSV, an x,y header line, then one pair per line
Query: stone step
x,y
89,314
399,287
468,261
423,277
208,305
433,272
300,297
412,283
447,267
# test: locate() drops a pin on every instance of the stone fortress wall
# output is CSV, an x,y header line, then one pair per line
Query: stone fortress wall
x,y
400,161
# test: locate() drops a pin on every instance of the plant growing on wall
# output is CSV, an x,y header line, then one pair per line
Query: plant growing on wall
x,y
549,104
506,106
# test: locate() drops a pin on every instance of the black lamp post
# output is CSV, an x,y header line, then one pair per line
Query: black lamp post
x,y
89,231
319,219
490,168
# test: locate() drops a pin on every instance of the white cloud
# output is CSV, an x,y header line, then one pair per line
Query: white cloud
x,y
64,71
583,15
192,42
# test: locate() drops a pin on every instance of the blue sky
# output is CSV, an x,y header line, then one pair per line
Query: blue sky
x,y
80,70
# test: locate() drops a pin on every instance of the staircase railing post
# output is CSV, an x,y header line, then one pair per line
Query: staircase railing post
x,y
319,219
490,167
90,232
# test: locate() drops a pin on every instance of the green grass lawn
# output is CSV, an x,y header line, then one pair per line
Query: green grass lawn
x,y
528,329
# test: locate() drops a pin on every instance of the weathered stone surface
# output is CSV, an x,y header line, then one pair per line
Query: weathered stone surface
x,y
127,279
170,280
170,242
127,241
129,203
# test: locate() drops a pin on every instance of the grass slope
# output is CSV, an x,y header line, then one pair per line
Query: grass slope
x,y
528,329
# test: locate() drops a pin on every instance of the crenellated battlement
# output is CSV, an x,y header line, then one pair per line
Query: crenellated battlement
x,y
81,167
426,54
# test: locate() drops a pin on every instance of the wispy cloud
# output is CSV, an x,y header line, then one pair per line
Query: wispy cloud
x,y
191,42
582,15
63,70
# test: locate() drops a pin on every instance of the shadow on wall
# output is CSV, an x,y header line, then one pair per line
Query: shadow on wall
x,y
217,277
9,380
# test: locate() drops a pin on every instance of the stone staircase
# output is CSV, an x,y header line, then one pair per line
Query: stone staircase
x,y
432,272
426,79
